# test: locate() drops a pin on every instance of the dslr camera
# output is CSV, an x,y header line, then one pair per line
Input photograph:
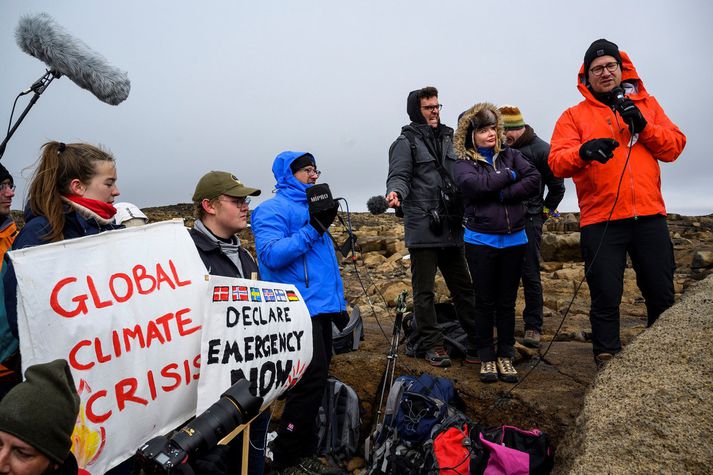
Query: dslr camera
x,y
236,405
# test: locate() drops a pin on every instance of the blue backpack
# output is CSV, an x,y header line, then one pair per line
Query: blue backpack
x,y
415,411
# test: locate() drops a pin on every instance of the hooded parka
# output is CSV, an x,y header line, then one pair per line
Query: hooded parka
x,y
597,183
494,199
289,249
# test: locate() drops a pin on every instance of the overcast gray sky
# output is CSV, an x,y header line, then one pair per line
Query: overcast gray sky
x,y
227,85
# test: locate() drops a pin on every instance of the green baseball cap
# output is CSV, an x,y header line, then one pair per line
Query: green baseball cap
x,y
214,184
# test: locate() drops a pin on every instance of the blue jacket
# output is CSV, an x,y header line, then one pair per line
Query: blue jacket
x,y
290,250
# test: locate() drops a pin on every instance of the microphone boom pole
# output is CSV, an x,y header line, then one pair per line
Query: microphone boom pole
x,y
38,87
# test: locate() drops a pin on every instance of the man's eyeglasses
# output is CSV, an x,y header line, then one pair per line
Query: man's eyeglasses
x,y
6,186
599,70
311,171
239,202
432,108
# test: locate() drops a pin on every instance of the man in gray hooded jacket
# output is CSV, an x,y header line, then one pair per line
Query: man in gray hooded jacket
x,y
420,183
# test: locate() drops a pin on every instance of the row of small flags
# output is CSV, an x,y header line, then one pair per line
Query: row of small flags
x,y
240,293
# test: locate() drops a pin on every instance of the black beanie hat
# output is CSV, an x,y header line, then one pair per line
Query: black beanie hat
x,y
42,410
301,162
601,47
4,174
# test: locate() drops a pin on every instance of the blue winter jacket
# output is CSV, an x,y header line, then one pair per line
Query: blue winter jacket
x,y
289,249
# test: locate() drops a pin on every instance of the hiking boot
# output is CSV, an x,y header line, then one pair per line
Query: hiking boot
x,y
471,358
532,338
488,372
438,357
506,370
602,359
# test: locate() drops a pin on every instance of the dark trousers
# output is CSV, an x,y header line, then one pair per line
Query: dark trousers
x,y
647,242
296,436
256,454
451,261
496,275
531,283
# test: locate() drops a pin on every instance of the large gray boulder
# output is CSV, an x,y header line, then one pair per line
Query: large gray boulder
x,y
651,409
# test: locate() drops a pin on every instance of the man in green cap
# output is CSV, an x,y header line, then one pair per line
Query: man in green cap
x,y
37,418
221,204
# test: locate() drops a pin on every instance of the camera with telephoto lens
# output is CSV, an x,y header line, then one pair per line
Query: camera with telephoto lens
x,y
236,405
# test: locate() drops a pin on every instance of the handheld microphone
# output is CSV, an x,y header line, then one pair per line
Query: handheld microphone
x,y
377,205
41,37
319,198
622,104
618,94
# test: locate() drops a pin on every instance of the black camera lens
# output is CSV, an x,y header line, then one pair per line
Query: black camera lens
x,y
435,222
235,406
207,429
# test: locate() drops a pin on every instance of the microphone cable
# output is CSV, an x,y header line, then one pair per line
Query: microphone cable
x,y
541,357
348,227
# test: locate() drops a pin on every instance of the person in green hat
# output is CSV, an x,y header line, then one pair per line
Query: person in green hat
x,y
37,418
221,204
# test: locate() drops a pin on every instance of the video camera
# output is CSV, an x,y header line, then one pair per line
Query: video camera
x,y
236,405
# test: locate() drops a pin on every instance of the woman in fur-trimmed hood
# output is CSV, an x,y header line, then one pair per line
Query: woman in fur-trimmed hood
x,y
495,181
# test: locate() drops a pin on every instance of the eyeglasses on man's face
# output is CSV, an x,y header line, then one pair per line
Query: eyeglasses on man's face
x,y
6,186
433,107
239,202
311,171
599,70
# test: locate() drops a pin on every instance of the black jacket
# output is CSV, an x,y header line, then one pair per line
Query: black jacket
x,y
536,151
413,174
218,263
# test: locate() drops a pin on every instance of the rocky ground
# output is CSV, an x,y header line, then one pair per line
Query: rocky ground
x,y
552,395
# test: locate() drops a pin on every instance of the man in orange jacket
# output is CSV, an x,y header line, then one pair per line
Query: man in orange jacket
x,y
610,144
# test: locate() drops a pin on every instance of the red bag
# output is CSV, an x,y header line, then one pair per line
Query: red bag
x,y
451,448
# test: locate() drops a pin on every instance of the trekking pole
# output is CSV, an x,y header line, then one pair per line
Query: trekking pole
x,y
393,350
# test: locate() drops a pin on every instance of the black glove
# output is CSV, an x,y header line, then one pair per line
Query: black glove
x,y
341,320
631,115
321,220
598,149
212,463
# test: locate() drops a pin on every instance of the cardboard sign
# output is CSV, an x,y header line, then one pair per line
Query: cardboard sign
x,y
125,309
256,330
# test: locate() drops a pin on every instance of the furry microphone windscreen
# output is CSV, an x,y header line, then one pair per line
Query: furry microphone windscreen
x,y
39,36
377,205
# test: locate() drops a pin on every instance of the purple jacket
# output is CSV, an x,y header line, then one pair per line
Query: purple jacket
x,y
494,201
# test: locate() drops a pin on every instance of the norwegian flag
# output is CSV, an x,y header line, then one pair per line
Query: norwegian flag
x,y
220,293
240,293
269,295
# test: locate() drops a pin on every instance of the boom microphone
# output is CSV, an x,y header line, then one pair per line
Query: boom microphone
x,y
377,205
39,36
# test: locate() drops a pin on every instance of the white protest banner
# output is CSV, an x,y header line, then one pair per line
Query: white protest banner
x,y
256,330
125,309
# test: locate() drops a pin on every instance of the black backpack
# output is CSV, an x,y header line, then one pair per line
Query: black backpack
x,y
353,334
338,422
454,337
